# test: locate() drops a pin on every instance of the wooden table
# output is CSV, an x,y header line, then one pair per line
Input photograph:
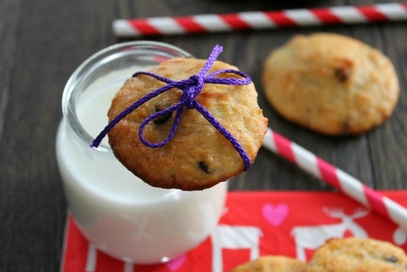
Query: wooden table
x,y
43,42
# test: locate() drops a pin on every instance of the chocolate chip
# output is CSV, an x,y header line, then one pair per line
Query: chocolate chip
x,y
343,71
162,118
202,165
392,259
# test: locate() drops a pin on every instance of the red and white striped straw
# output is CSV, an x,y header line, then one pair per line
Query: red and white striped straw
x,y
260,20
336,178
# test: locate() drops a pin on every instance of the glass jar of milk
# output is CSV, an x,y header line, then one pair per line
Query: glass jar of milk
x,y
117,212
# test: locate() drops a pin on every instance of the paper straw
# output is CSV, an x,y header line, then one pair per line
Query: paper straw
x,y
260,20
349,185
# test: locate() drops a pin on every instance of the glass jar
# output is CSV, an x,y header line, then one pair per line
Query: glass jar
x,y
117,212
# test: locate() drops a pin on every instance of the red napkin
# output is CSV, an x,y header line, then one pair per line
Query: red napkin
x,y
256,224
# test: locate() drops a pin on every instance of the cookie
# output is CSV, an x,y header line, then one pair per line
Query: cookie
x,y
272,264
358,254
198,156
332,84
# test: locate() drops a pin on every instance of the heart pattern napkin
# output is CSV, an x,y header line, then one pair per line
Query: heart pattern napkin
x,y
255,224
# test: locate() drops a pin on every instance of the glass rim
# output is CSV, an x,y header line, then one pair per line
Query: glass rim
x,y
71,88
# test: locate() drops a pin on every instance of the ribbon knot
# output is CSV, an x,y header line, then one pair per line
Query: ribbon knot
x,y
191,88
192,91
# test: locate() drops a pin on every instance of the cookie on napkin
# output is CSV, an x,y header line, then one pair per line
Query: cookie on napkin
x,y
272,264
358,254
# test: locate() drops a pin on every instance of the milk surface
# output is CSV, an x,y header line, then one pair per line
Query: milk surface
x,y
116,211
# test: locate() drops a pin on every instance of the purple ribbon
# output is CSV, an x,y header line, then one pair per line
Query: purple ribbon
x,y
191,88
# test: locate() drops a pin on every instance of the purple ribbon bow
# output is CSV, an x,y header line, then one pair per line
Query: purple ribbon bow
x,y
191,88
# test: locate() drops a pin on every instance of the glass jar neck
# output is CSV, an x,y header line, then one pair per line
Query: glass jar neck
x,y
113,58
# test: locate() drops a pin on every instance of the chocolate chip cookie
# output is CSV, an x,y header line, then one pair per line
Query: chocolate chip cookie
x,y
272,264
358,254
332,84
198,156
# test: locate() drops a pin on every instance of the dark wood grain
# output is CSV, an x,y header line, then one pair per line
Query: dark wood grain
x,y
42,43
9,18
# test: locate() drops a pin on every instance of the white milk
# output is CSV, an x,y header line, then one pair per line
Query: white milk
x,y
115,210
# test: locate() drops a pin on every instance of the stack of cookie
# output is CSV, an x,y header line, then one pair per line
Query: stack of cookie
x,y
337,255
